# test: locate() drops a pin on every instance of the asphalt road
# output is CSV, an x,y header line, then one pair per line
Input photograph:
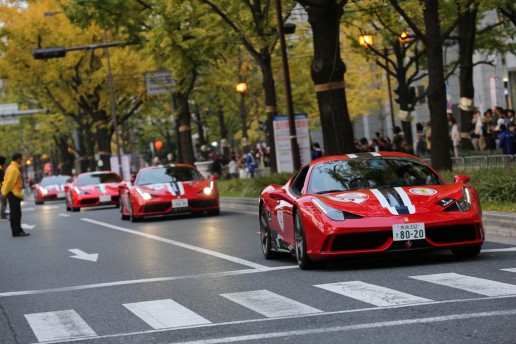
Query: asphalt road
x,y
90,277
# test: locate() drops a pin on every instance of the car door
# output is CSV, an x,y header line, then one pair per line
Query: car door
x,y
287,216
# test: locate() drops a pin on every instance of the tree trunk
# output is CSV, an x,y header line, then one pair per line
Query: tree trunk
x,y
328,71
441,159
270,104
467,32
103,139
186,152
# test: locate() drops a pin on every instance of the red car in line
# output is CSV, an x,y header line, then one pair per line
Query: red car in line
x,y
369,203
92,189
168,190
50,188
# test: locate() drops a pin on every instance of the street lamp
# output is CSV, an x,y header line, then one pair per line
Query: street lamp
x,y
241,88
366,40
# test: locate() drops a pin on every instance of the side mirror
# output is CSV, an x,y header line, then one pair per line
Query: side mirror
x,y
460,178
280,195
213,177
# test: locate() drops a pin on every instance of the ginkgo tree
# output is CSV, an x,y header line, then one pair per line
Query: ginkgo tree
x,y
75,86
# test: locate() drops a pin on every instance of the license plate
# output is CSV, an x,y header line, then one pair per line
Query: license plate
x,y
105,198
408,231
61,194
180,203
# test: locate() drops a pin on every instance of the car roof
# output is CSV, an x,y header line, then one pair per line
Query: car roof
x,y
363,155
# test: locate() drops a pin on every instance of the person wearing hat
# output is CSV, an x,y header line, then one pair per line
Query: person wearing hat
x,y
12,188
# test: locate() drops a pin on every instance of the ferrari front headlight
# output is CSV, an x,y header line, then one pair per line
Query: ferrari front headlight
x,y
145,195
79,191
332,213
207,191
43,190
464,204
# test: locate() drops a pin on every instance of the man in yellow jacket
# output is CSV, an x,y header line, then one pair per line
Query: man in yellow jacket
x,y
12,188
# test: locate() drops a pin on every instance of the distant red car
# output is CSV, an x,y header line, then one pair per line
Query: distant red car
x,y
92,189
369,203
166,190
50,188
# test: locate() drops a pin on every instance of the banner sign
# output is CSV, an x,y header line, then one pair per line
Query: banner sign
x,y
282,141
159,82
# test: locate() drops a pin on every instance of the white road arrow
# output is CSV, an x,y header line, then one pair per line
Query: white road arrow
x,y
83,255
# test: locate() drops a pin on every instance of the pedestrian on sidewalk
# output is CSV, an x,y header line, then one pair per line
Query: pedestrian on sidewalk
x,y
12,188
3,200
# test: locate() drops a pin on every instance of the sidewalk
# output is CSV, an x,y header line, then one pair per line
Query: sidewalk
x,y
496,223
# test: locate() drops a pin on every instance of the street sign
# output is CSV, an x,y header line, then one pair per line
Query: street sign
x,y
159,82
7,114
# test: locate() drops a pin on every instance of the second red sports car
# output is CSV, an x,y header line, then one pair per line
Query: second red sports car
x,y
369,203
166,190
92,189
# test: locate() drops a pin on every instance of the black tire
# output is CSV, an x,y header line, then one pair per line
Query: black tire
x,y
39,203
75,210
466,252
304,262
265,235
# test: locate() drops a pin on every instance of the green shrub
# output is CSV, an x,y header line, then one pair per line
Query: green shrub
x,y
250,187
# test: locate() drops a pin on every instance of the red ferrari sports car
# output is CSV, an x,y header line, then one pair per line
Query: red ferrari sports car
x,y
166,190
50,188
92,189
369,203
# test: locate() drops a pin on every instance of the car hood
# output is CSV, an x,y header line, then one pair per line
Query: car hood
x,y
176,189
53,187
394,201
100,189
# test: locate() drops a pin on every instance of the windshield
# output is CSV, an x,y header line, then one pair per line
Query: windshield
x,y
355,174
168,174
98,178
55,180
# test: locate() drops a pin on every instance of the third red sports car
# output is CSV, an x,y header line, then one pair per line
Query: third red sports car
x,y
92,189
166,190
369,203
50,188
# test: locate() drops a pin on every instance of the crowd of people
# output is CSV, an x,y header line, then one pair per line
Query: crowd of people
x,y
238,166
492,130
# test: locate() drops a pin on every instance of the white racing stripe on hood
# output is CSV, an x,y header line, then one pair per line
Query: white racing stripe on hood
x,y
176,188
384,202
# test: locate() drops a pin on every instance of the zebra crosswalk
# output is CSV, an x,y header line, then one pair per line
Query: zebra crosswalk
x,y
165,314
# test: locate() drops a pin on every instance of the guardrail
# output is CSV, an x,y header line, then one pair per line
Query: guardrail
x,y
481,161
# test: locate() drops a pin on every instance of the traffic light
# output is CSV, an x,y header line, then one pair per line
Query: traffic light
x,y
397,91
263,126
49,53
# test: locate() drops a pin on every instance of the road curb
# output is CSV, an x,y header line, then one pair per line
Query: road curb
x,y
496,223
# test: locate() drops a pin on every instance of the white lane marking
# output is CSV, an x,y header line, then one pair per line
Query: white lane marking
x,y
319,330
373,294
270,304
161,314
510,269
509,249
363,326
141,281
64,215
183,245
26,226
60,325
472,284
79,254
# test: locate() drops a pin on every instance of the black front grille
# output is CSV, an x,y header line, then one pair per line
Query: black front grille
x,y
89,201
360,241
156,208
201,203
450,234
